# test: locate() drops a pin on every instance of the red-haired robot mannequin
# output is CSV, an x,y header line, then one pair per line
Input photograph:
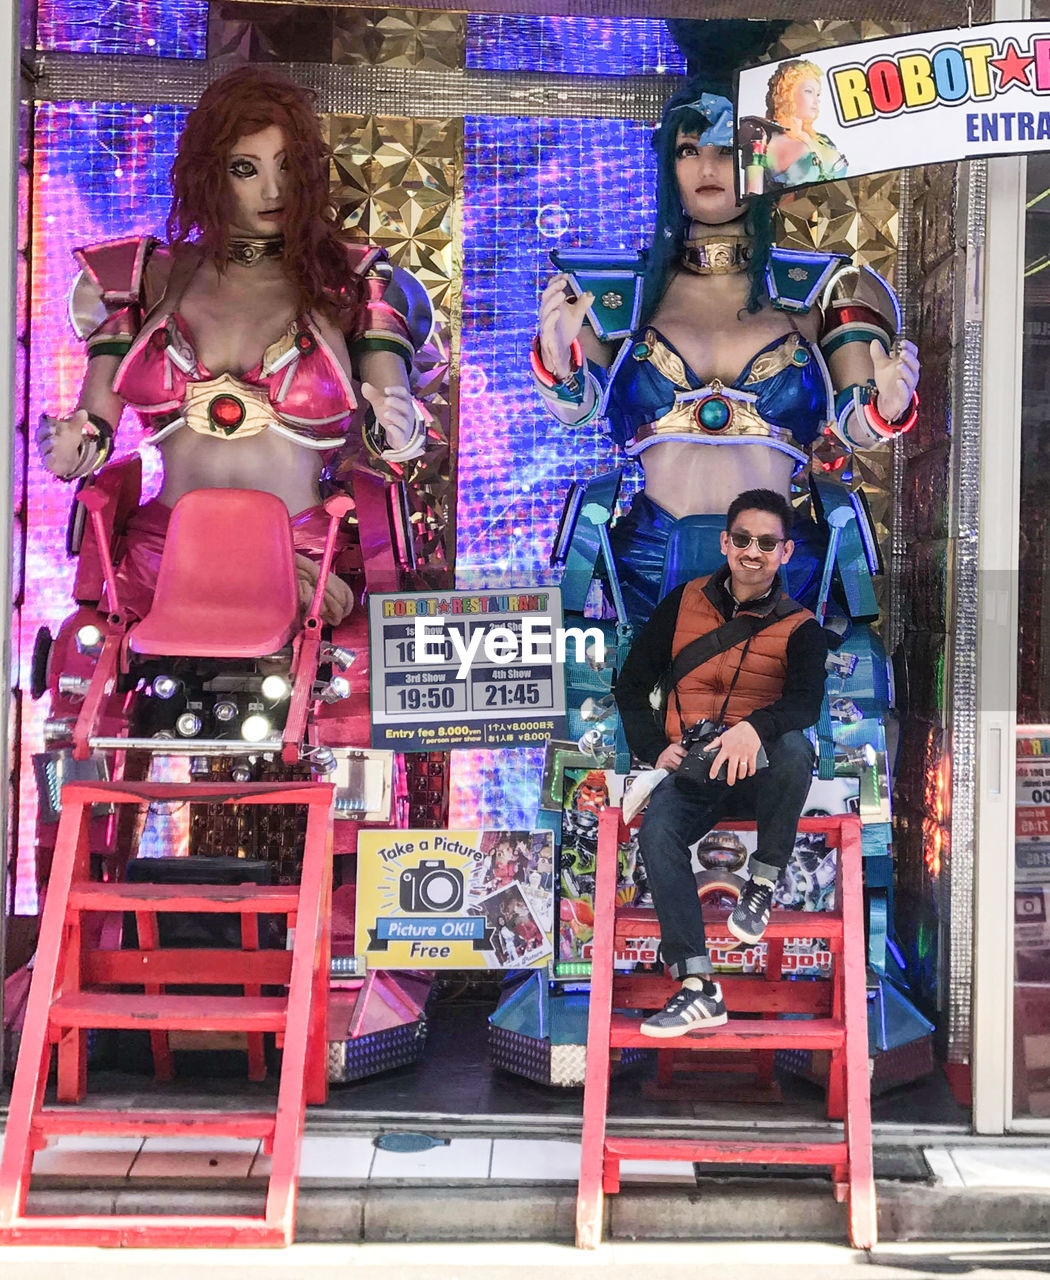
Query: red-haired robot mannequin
x,y
237,342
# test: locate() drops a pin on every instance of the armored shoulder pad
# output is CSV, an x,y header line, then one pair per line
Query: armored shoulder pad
x,y
850,288
795,277
615,278
363,258
409,299
111,277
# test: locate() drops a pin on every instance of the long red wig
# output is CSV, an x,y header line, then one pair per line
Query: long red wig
x,y
241,103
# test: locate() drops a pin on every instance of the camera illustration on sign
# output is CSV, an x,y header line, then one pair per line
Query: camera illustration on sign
x,y
431,887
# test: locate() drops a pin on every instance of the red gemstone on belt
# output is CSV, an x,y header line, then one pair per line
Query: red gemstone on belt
x,y
226,412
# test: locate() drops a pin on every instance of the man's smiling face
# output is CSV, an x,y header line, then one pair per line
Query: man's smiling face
x,y
751,568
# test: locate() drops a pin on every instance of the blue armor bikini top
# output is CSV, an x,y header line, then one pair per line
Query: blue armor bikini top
x,y
780,398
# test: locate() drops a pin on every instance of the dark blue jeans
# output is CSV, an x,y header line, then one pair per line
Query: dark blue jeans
x,y
677,819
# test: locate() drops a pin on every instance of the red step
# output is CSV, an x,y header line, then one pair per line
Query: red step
x,y
833,1153
641,922
86,895
153,1231
98,1009
738,1033
143,1124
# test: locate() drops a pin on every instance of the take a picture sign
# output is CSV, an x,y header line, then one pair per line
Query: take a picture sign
x,y
894,103
455,899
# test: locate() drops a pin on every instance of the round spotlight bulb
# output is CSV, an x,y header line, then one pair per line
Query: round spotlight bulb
x,y
165,687
275,687
336,690
255,729
225,712
188,725
89,637
241,773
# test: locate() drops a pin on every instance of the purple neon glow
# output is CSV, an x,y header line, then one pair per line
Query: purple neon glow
x,y
161,28
99,172
572,46
530,185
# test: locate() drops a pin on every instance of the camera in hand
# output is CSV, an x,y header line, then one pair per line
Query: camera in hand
x,y
695,770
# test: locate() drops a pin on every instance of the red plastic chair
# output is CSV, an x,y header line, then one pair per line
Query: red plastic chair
x,y
227,584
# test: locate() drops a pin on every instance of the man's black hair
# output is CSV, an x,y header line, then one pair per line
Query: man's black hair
x,y
762,500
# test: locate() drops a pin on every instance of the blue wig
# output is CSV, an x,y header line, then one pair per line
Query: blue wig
x,y
686,111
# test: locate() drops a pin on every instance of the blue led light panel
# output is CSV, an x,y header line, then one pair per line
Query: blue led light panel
x,y
572,46
163,28
529,186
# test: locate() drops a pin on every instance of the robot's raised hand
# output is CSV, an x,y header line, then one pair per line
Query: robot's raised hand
x,y
896,377
58,441
561,318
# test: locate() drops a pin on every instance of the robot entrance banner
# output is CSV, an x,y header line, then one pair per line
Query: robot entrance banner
x,y
469,668
455,899
894,103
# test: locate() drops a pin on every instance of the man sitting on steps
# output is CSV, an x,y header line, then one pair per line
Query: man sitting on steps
x,y
757,679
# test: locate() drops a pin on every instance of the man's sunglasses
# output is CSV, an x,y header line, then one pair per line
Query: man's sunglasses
x,y
766,542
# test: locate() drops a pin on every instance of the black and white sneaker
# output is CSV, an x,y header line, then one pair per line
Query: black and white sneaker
x,y
687,1011
751,913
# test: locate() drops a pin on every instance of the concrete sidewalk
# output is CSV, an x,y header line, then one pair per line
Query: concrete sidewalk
x,y
524,1189
642,1261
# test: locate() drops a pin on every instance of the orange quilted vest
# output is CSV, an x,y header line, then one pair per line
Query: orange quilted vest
x,y
702,691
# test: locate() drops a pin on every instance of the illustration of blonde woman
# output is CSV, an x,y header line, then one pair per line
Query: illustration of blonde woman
x,y
800,154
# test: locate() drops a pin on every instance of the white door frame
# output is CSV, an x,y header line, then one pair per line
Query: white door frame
x,y
999,524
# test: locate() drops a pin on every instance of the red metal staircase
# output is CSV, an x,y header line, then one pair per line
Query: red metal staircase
x,y
73,991
836,1021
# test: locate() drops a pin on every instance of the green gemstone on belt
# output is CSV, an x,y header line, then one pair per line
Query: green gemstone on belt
x,y
800,356
641,351
714,414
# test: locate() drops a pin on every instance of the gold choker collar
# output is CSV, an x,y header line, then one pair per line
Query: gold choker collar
x,y
717,255
246,251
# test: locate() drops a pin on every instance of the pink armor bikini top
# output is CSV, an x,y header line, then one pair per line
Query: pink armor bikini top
x,y
299,388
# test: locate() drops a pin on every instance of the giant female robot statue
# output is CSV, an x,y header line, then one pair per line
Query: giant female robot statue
x,y
717,358
238,341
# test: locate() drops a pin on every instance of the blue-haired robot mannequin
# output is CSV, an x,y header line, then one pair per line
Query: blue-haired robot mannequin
x,y
717,359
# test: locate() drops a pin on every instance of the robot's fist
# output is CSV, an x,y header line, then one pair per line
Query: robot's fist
x,y
58,441
561,319
896,377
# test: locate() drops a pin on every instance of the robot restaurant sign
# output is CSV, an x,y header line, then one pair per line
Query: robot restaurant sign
x,y
894,103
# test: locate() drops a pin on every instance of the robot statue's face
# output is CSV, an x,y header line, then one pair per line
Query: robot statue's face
x,y
257,182
705,181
